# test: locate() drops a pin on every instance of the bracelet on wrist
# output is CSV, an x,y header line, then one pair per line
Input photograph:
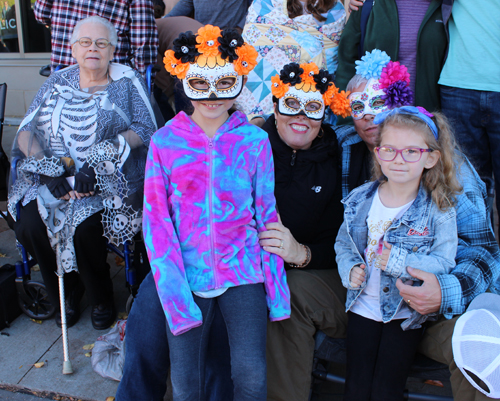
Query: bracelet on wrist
x,y
306,261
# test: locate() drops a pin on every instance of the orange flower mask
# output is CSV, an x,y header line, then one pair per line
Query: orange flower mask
x,y
214,64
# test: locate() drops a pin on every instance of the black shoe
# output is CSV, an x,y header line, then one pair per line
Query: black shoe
x,y
72,307
103,315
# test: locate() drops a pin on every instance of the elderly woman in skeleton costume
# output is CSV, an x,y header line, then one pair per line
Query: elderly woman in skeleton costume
x,y
81,153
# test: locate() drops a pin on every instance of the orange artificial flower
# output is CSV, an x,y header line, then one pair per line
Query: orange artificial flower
x,y
310,69
175,66
340,104
247,59
208,40
330,93
278,88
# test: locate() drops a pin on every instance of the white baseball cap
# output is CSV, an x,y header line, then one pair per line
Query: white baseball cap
x,y
476,344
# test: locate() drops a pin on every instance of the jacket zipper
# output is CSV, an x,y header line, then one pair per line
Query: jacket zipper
x,y
294,155
210,189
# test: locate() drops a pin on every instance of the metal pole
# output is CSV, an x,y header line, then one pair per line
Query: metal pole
x,y
67,367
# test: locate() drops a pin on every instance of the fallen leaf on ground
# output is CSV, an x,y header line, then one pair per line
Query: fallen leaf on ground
x,y
3,255
39,364
88,354
122,315
88,347
110,399
36,321
119,261
35,268
436,383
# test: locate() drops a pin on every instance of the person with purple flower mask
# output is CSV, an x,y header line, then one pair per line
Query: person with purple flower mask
x,y
411,32
477,259
379,84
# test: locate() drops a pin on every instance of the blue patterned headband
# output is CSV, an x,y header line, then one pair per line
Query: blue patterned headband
x,y
419,112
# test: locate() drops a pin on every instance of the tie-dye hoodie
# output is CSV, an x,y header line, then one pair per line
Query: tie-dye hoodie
x,y
205,200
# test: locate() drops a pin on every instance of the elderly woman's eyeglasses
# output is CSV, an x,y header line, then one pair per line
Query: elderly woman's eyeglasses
x,y
409,155
101,43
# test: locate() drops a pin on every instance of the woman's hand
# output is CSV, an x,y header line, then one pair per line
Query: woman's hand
x,y
58,187
80,195
85,181
355,4
279,240
357,276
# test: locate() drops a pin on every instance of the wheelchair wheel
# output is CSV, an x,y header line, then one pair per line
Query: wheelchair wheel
x,y
39,306
130,301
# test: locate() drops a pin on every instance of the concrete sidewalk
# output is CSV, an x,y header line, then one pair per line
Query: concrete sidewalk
x,y
27,342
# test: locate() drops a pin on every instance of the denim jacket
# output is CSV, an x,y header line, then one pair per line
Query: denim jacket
x,y
423,237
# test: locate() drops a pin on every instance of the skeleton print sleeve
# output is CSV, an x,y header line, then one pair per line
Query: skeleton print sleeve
x,y
143,125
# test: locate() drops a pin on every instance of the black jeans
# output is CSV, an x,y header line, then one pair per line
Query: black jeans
x,y
91,254
379,357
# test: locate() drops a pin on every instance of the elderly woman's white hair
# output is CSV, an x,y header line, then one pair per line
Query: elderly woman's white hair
x,y
95,19
356,81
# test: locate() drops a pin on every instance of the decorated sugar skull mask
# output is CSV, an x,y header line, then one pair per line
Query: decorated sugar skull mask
x,y
306,90
370,101
212,63
297,102
388,85
219,82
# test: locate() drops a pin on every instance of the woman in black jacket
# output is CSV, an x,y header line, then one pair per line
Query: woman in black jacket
x,y
308,194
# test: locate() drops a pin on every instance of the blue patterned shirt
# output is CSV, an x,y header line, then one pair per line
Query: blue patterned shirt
x,y
478,256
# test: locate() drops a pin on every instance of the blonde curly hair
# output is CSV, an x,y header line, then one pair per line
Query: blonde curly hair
x,y
441,180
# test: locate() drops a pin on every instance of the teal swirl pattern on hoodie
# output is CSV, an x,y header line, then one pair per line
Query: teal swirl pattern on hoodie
x,y
205,201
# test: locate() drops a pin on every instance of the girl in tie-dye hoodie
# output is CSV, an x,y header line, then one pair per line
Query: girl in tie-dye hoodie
x,y
209,191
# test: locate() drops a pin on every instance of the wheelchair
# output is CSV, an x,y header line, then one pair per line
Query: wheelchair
x,y
33,296
333,350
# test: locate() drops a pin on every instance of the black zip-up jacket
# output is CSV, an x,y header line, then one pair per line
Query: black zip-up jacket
x,y
308,192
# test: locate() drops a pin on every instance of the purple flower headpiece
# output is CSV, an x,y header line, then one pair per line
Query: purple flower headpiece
x,y
393,77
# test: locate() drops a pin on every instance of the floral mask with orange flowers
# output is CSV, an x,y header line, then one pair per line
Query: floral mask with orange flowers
x,y
306,90
212,63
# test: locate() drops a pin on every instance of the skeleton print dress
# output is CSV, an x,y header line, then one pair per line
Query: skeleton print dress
x,y
109,127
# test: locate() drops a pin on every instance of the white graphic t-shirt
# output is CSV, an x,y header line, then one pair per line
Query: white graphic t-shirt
x,y
379,219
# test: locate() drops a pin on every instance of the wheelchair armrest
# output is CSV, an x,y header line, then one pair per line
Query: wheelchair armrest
x,y
13,175
13,169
